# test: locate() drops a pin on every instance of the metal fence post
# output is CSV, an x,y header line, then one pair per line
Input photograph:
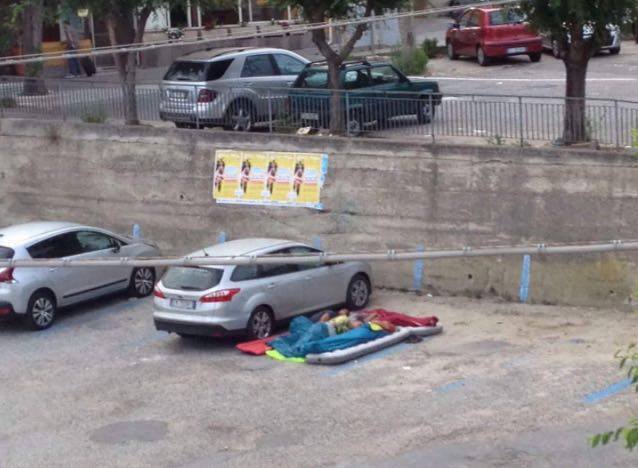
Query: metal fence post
x,y
61,101
269,110
196,96
617,123
520,120
347,113
431,105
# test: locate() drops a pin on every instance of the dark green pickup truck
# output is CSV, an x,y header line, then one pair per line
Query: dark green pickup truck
x,y
375,96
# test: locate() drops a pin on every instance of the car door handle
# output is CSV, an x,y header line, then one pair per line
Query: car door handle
x,y
51,270
271,285
247,85
307,278
289,83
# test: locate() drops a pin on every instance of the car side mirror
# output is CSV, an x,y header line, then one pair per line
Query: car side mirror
x,y
116,248
456,26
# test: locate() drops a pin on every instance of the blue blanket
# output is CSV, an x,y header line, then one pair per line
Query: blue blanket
x,y
307,337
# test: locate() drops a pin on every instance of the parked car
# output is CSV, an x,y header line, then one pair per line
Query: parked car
x,y
487,33
373,92
35,294
233,88
222,300
611,40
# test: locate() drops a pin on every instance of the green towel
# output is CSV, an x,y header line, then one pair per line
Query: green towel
x,y
273,353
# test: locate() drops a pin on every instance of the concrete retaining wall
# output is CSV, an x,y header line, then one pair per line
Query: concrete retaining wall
x,y
379,194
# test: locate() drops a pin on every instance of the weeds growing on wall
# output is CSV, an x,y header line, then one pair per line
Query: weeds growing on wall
x,y
8,102
94,115
429,46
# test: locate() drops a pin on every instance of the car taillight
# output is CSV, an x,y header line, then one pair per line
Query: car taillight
x,y
158,293
225,295
6,275
206,95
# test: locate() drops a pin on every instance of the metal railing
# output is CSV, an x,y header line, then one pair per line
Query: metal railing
x,y
497,119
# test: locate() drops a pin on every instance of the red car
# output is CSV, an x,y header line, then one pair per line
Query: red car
x,y
487,33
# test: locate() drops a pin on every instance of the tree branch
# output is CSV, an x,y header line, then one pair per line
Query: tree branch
x,y
358,33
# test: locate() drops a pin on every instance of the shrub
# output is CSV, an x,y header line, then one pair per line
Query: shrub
x,y
94,115
429,47
8,102
410,62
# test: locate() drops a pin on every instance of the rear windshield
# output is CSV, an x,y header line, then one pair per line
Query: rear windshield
x,y
6,253
197,71
314,79
506,16
192,279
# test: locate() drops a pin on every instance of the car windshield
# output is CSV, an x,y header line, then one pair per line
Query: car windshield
x,y
314,79
6,253
192,279
186,71
506,16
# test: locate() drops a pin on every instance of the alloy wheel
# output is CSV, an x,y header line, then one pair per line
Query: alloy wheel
x,y
143,281
359,292
261,324
242,120
42,312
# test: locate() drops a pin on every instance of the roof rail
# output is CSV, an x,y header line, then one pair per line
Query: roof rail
x,y
342,65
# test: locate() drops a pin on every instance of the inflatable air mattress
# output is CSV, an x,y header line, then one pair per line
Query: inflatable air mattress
x,y
344,355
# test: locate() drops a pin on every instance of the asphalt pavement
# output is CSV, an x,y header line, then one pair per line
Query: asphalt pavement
x,y
504,385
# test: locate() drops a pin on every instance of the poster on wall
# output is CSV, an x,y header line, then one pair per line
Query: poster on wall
x,y
269,178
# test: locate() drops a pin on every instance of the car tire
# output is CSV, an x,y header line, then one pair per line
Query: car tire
x,y
354,124
614,51
260,324
535,57
240,116
359,291
41,310
451,54
482,59
142,282
425,114
183,125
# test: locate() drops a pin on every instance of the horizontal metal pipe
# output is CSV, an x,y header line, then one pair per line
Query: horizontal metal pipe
x,y
326,258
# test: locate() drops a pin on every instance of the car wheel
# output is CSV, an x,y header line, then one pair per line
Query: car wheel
x,y
555,49
40,311
358,292
451,54
355,126
183,125
241,116
614,50
260,323
483,60
142,282
535,57
425,112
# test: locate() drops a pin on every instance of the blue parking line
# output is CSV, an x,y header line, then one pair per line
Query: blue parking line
x,y
342,368
606,392
450,386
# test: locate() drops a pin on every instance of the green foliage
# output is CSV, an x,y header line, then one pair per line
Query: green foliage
x,y
496,140
95,114
7,102
429,46
410,61
634,139
628,359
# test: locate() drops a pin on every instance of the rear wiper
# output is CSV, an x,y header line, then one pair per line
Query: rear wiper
x,y
189,288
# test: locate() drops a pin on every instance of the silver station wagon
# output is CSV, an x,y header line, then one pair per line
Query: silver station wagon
x,y
35,294
222,300
233,88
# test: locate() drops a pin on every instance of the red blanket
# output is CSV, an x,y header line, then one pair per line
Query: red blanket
x,y
403,320
256,347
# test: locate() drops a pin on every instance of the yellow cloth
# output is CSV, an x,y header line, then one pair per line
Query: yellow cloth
x,y
341,323
375,327
273,353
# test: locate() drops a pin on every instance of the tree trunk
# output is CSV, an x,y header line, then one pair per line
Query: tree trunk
x,y
337,113
576,59
126,28
32,20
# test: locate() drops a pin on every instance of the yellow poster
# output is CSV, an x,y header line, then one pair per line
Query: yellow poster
x,y
269,178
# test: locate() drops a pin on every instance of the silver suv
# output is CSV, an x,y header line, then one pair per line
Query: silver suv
x,y
232,88
222,300
35,294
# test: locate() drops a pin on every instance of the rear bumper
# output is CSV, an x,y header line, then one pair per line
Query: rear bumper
x,y
513,48
204,113
184,328
6,309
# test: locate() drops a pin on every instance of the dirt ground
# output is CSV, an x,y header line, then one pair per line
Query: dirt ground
x,y
504,385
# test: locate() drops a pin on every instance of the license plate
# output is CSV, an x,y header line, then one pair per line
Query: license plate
x,y
182,304
517,50
176,94
309,116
